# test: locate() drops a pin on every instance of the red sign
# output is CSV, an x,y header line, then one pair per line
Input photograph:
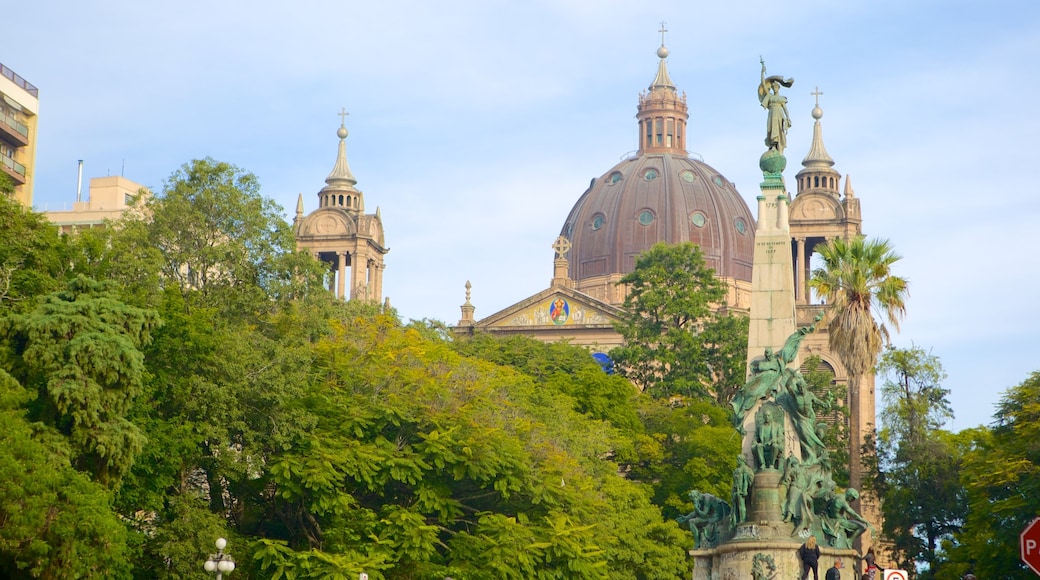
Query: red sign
x,y
1030,545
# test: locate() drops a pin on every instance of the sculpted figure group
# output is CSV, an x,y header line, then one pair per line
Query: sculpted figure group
x,y
787,439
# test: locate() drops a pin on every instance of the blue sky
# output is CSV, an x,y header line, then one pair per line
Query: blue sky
x,y
474,126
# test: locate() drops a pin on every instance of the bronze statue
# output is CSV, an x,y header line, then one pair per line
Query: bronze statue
x,y
703,521
769,375
769,436
743,479
778,121
841,524
800,403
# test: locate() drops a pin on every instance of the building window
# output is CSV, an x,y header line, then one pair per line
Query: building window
x,y
650,175
646,217
698,219
597,222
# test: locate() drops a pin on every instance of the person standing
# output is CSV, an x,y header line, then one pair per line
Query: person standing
x,y
810,556
871,561
835,572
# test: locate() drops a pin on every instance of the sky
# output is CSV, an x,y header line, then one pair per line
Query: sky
x,y
475,126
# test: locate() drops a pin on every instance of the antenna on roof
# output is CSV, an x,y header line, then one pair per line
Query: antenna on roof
x,y
79,183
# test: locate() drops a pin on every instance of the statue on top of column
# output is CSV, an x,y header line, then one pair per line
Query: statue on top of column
x,y
778,121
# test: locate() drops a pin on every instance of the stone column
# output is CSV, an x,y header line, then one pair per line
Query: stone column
x,y
358,266
800,290
377,281
342,273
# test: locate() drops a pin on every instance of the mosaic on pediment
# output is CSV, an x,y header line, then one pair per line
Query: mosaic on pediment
x,y
558,311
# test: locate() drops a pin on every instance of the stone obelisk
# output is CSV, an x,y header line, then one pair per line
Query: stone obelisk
x,y
772,276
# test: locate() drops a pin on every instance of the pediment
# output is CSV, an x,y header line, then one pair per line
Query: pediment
x,y
816,207
558,307
327,222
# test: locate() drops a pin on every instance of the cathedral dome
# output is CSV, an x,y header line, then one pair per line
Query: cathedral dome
x,y
659,198
658,195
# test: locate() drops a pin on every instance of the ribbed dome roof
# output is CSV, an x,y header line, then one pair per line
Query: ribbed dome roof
x,y
654,198
659,195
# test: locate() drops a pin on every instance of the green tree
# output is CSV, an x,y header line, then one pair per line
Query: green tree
x,y
55,522
676,342
857,281
211,234
923,501
80,350
1001,473
33,256
6,185
698,450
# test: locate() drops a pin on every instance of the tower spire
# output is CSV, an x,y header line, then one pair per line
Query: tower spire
x,y
340,190
341,171
662,80
818,172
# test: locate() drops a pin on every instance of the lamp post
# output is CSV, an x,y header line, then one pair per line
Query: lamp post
x,y
220,562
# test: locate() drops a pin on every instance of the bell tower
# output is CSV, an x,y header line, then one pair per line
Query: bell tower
x,y
342,235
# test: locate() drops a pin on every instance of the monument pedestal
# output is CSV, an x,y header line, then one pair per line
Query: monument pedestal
x,y
765,497
736,560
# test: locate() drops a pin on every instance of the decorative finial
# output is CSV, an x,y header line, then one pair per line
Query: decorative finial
x,y
817,112
468,288
342,132
562,245
662,52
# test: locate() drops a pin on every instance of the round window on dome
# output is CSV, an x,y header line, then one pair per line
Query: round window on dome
x,y
717,180
646,217
650,175
597,222
688,176
698,219
614,178
741,226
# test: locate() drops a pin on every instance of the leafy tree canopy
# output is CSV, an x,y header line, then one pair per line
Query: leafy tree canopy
x,y
1001,474
676,342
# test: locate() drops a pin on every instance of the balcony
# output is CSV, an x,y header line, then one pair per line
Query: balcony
x,y
19,81
13,131
14,169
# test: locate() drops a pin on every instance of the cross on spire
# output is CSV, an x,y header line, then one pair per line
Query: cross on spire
x,y
817,94
343,116
662,31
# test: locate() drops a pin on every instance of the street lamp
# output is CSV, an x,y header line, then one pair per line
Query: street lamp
x,y
220,562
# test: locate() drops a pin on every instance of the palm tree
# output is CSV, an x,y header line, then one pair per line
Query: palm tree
x,y
857,281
